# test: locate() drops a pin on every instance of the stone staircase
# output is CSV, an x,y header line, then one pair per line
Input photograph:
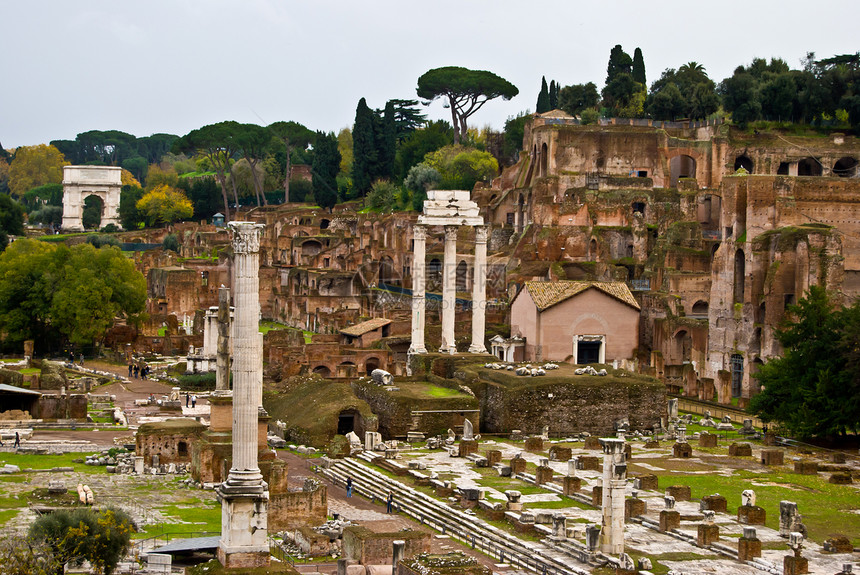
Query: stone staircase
x,y
467,527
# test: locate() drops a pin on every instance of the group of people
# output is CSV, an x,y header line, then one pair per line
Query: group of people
x,y
190,399
389,500
138,370
72,358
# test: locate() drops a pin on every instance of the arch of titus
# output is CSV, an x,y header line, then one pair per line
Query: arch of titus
x,y
450,209
79,182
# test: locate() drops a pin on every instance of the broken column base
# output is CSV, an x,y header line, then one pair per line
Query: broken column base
x,y
707,534
669,519
543,475
571,485
748,549
792,565
518,465
597,496
634,508
467,447
751,515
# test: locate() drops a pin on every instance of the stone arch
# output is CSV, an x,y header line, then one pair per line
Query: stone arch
x,y
93,212
744,161
682,344
845,167
592,250
740,266
681,166
809,167
544,152
80,182
322,370
700,308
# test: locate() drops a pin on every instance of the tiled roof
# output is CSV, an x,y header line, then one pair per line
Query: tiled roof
x,y
364,327
547,294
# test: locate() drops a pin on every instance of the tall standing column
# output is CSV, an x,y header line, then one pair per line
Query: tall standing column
x,y
222,349
614,483
419,235
449,290
244,495
479,292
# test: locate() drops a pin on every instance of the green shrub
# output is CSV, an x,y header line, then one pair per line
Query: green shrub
x,y
198,382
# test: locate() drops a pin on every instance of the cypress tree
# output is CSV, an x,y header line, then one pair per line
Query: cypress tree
x,y
387,143
364,155
543,97
553,95
324,170
638,66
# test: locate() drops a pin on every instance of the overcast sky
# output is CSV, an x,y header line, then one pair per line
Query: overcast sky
x,y
152,66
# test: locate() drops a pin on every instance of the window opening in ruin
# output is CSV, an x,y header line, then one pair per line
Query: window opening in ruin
x,y
737,374
182,449
744,162
642,173
845,168
740,265
521,202
809,167
386,271
322,371
700,309
638,207
728,233
782,170
684,345
761,313
588,352
629,252
714,248
789,299
509,219
325,262
681,167
204,279
592,250
324,223
543,159
311,248
705,213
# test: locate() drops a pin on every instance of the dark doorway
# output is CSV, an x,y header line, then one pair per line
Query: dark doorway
x,y
370,365
638,207
809,167
782,170
740,265
588,352
845,167
543,160
182,449
92,214
744,162
322,370
681,167
346,422
737,374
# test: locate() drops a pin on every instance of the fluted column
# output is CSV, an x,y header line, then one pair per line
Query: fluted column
x,y
614,482
479,292
449,290
419,235
222,354
244,495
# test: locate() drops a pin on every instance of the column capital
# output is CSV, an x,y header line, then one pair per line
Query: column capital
x,y
481,233
245,237
451,233
419,232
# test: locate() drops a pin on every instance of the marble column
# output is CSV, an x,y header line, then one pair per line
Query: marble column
x,y
479,292
419,235
222,349
449,290
614,483
244,495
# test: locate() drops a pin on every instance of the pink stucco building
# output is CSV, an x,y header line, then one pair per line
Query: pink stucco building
x,y
576,321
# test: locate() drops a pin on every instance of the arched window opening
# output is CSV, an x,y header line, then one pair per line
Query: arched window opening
x,y
681,167
543,159
322,371
845,167
700,309
737,374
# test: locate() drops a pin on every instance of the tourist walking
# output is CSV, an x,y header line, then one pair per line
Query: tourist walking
x,y
187,398
193,401
17,440
82,360
349,486
136,370
389,503
130,369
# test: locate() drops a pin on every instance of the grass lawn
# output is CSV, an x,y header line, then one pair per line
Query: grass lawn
x,y
826,508
436,391
192,516
33,461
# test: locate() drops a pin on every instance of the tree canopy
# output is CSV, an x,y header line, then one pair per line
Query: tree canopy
x,y
35,166
325,169
75,292
164,205
466,91
814,388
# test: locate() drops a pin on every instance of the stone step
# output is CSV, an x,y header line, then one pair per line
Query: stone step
x,y
464,526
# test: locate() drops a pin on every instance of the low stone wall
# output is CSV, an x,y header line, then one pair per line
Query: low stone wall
x,y
62,407
361,544
295,509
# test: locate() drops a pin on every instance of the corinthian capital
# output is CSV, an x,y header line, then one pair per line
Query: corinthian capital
x,y
246,237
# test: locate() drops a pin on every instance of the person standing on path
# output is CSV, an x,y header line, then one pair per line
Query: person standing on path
x,y
187,398
349,486
193,401
17,440
389,503
130,369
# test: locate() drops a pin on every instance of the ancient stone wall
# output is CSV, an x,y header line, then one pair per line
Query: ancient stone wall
x,y
369,548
